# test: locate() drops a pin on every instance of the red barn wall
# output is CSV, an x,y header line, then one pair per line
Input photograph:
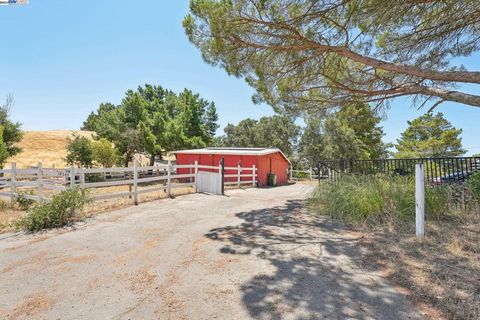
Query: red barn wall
x,y
270,163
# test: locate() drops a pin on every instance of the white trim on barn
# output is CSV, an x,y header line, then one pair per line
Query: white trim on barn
x,y
234,151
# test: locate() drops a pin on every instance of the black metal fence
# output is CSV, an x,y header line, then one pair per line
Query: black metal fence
x,y
437,170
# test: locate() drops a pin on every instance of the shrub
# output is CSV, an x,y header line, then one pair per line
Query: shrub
x,y
104,153
79,152
376,200
56,213
23,202
473,185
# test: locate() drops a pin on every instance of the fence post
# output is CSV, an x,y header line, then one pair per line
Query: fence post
x,y
239,171
310,174
222,174
135,182
196,176
72,177
291,173
420,200
13,181
169,178
82,178
254,176
40,182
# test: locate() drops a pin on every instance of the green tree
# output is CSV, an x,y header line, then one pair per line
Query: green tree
x,y
276,131
104,153
352,132
430,136
11,132
155,120
79,152
3,149
311,54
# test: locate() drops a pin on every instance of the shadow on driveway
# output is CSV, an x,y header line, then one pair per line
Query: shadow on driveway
x,y
316,268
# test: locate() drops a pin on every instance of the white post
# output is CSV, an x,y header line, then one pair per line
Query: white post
x,y
169,178
196,176
13,181
420,200
310,174
254,176
82,178
135,181
239,171
291,173
72,177
40,182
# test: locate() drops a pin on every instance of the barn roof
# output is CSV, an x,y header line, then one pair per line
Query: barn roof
x,y
234,151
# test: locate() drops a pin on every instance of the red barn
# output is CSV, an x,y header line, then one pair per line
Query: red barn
x,y
266,160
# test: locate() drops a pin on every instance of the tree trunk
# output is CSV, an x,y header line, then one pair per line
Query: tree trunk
x,y
152,160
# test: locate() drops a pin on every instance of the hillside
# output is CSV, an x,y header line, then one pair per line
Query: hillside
x,y
48,147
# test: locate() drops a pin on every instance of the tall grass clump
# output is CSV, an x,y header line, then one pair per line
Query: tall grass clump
x,y
56,213
374,200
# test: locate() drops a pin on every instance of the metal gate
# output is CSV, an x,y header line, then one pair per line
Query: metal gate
x,y
210,182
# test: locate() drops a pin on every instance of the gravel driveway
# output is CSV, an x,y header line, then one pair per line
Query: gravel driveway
x,y
254,253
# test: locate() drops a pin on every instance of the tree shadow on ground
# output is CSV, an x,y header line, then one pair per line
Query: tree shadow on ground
x,y
314,268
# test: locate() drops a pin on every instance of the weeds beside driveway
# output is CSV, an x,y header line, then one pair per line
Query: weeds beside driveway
x,y
254,253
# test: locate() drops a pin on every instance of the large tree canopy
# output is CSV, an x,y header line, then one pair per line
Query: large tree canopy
x,y
155,120
352,132
310,54
276,131
430,136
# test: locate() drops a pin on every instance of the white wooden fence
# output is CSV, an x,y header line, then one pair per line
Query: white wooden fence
x,y
43,182
303,175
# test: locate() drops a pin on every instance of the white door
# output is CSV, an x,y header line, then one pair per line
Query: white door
x,y
209,182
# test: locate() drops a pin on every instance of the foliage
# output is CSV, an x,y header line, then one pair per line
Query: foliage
x,y
309,55
79,152
56,213
353,132
430,136
23,202
10,133
276,131
104,153
377,200
473,185
155,120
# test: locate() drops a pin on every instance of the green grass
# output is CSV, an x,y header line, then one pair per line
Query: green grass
x,y
376,200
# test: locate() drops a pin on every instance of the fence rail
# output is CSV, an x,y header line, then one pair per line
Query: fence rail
x,y
33,182
437,170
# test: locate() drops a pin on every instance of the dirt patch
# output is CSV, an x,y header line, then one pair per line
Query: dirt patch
x,y
174,306
31,306
43,259
441,272
140,280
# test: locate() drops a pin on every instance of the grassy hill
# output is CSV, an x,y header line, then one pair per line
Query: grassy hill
x,y
48,147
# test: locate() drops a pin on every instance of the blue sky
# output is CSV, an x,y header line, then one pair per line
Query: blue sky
x,y
60,59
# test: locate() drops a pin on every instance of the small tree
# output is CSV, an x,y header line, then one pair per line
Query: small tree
x,y
104,153
430,136
11,133
79,152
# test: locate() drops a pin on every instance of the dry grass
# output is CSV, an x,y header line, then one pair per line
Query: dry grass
x,y
441,272
48,147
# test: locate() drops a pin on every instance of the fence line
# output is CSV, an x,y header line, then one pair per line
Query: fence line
x,y
15,182
309,174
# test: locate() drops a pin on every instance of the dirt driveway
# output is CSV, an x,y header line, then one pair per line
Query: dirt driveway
x,y
252,254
